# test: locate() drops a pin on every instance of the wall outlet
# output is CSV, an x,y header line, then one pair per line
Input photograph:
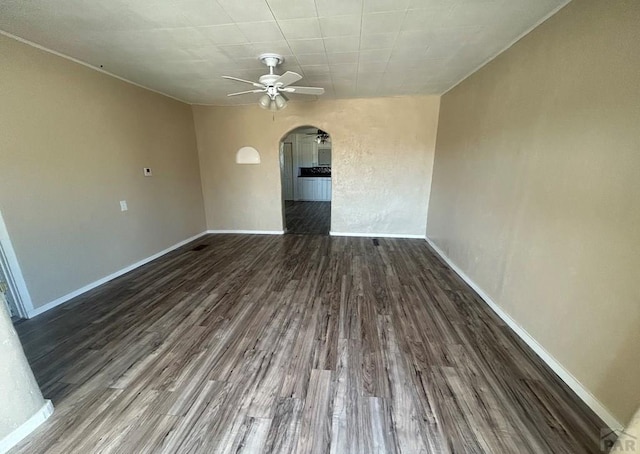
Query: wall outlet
x,y
147,171
123,205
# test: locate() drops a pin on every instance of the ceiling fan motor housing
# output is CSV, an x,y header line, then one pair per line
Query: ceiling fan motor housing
x,y
268,79
271,60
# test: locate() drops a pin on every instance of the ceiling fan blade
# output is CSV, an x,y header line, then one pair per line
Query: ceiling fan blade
x,y
287,78
247,92
255,84
304,90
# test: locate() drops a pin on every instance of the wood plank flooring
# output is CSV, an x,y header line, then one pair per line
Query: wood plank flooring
x,y
294,344
308,218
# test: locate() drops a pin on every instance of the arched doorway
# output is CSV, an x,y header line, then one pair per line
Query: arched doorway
x,y
305,170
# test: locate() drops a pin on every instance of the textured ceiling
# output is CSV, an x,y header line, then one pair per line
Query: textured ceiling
x,y
352,48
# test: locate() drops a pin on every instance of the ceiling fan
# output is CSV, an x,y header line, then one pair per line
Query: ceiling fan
x,y
321,137
274,86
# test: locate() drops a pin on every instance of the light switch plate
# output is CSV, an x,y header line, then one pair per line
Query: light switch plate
x,y
147,171
123,205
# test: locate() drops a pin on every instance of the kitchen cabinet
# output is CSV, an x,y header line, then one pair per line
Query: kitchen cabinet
x,y
325,189
316,189
307,152
324,156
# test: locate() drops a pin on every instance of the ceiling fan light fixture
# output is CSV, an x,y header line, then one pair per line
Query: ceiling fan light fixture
x,y
264,101
280,102
322,137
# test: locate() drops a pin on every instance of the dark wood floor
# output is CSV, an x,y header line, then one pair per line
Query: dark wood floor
x,y
311,218
295,344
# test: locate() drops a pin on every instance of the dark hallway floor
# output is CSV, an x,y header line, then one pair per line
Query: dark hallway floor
x,y
311,218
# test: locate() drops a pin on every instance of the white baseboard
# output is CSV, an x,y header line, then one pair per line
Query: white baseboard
x,y
566,376
249,232
63,299
378,235
26,427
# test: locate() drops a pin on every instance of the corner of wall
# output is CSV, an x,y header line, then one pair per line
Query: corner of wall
x,y
205,224
433,163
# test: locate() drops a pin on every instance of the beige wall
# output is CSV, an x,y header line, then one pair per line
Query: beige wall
x,y
73,143
21,397
382,155
536,191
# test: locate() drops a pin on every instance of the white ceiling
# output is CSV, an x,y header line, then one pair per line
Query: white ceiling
x,y
352,48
